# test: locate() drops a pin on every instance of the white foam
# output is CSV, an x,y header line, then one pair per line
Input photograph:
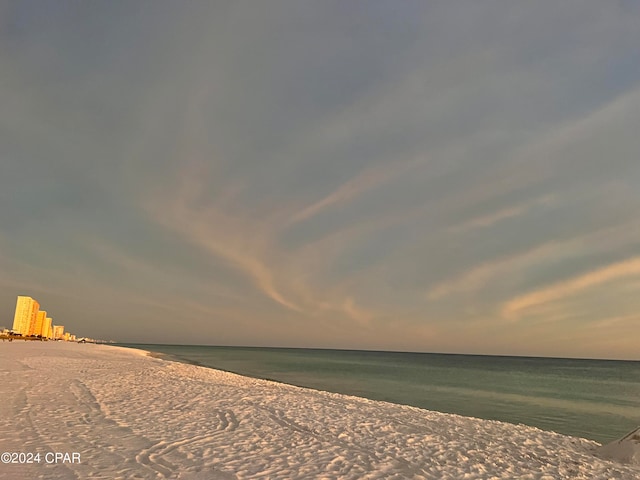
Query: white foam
x,y
131,415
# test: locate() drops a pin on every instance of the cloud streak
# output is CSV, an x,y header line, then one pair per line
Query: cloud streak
x,y
517,307
364,181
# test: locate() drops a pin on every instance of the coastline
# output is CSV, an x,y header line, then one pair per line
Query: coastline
x,y
129,413
584,398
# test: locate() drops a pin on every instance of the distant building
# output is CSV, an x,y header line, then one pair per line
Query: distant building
x,y
47,328
58,331
38,326
25,317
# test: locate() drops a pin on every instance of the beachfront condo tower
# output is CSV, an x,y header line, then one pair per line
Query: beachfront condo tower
x,y
47,329
58,331
24,319
37,328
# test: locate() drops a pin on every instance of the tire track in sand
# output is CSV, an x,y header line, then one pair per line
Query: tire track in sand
x,y
154,457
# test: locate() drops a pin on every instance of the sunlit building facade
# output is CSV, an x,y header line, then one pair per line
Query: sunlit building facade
x,y
58,332
47,329
24,320
31,322
38,326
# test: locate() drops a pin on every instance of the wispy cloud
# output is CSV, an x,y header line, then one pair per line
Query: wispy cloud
x,y
237,242
548,253
516,307
364,181
631,320
493,218
355,312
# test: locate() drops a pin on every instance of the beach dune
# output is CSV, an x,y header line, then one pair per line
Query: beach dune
x,y
124,414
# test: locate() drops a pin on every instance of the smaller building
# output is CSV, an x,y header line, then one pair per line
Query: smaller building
x,y
47,329
58,332
37,327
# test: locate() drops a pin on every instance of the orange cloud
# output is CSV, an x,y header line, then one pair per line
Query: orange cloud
x,y
356,313
477,277
513,308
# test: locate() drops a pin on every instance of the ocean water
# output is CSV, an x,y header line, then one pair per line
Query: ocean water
x,y
595,399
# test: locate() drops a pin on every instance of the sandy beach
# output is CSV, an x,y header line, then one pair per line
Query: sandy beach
x,y
95,411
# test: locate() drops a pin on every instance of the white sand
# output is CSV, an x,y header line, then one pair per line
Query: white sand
x,y
624,450
133,416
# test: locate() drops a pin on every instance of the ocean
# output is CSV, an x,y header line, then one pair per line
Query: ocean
x,y
594,399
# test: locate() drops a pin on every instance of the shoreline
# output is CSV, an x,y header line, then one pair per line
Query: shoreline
x,y
517,390
250,347
174,358
128,413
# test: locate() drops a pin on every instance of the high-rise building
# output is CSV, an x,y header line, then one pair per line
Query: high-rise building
x,y
37,326
58,331
47,329
25,316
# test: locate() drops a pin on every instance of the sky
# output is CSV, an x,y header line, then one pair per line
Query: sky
x,y
455,177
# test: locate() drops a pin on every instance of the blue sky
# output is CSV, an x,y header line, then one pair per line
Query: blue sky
x,y
426,176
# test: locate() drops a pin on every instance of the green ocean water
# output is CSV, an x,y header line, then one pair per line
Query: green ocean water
x,y
595,399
